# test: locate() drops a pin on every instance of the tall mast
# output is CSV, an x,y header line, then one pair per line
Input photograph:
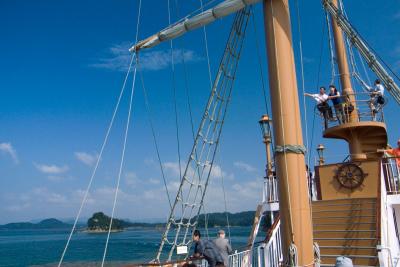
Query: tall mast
x,y
341,57
290,163
353,137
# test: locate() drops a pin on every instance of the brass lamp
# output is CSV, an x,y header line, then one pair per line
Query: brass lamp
x,y
265,125
320,150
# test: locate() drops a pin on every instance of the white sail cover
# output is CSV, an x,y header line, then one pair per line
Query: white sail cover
x,y
223,9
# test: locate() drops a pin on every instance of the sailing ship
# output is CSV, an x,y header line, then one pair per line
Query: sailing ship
x,y
349,209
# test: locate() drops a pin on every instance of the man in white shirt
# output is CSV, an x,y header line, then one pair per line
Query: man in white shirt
x,y
322,104
376,94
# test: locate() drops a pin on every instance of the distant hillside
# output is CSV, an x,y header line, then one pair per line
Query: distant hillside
x,y
100,222
44,224
216,219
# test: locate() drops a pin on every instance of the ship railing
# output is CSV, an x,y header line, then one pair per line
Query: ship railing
x,y
270,194
246,258
367,109
267,253
270,253
392,175
387,226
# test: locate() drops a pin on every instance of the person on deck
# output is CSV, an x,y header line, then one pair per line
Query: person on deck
x,y
336,99
395,152
207,249
322,104
376,94
223,245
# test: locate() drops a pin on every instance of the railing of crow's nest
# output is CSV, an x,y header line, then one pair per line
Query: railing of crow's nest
x,y
369,108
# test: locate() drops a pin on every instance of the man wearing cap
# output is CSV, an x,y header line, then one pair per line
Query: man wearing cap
x,y
207,249
223,245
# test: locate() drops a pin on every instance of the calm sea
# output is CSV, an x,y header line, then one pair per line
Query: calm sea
x,y
44,247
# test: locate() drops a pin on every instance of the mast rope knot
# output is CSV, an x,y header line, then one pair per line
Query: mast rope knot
x,y
292,259
317,254
297,149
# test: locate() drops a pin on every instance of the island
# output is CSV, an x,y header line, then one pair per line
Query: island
x,y
99,222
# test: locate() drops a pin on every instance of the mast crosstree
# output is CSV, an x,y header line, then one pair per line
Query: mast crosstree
x,y
190,196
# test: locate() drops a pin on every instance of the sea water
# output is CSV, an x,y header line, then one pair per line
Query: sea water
x,y
44,247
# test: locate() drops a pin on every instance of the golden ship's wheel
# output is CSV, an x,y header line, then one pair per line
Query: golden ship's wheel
x,y
350,176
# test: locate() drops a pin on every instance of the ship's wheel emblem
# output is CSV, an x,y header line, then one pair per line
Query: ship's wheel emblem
x,y
350,176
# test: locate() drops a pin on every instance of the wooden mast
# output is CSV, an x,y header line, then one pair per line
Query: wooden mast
x,y
354,139
343,65
290,166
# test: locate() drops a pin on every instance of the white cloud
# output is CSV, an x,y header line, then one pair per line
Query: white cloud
x,y
157,60
51,169
56,198
172,167
244,166
131,179
55,178
118,58
43,202
18,207
8,149
154,181
86,158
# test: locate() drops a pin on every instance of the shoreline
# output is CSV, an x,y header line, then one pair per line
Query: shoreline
x,y
101,231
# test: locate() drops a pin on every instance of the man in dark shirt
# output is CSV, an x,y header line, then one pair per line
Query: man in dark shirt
x,y
207,249
336,99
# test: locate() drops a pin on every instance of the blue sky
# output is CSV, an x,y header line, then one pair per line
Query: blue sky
x,y
62,66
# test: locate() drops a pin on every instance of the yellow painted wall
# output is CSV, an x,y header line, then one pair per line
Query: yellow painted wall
x,y
331,189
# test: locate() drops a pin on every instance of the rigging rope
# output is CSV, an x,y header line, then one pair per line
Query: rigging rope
x,y
206,45
310,152
174,97
121,164
124,144
364,68
302,79
97,161
331,49
186,80
187,86
153,133
225,202
259,60
206,220
355,71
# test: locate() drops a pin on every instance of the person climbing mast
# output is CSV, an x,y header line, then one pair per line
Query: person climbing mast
x,y
322,104
376,93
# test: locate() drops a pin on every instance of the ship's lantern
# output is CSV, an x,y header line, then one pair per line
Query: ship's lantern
x,y
320,150
265,124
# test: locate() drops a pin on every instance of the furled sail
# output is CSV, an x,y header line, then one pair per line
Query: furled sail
x,y
223,9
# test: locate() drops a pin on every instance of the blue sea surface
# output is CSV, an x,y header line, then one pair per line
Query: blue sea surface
x,y
44,247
